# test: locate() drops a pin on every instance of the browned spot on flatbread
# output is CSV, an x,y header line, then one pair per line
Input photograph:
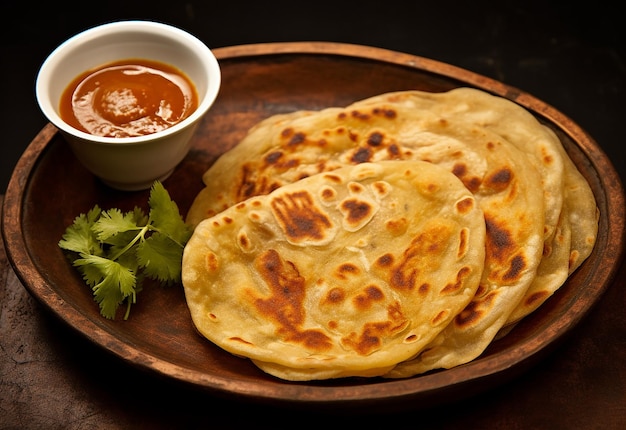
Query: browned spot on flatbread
x,y
347,269
535,298
211,262
465,205
472,183
385,112
356,210
546,156
393,151
335,295
375,138
499,241
502,250
244,241
463,243
424,289
371,337
333,178
518,264
297,139
361,155
299,217
461,275
273,157
475,310
239,340
285,304
385,260
397,226
500,179
370,294
440,317
425,248
381,188
247,187
574,257
287,132
328,194
356,187
363,116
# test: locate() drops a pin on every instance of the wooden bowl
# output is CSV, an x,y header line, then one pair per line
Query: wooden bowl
x,y
50,187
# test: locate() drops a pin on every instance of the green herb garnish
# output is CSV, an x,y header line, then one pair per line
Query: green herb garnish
x,y
115,251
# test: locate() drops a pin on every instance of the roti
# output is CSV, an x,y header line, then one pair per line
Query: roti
x,y
571,214
540,213
505,182
343,273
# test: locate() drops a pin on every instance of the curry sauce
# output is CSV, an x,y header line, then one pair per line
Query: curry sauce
x,y
128,98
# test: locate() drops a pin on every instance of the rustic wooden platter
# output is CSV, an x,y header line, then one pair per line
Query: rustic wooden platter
x,y
49,188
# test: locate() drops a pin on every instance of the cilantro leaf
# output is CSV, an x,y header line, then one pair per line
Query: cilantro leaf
x,y
160,258
115,284
115,251
79,237
112,222
165,216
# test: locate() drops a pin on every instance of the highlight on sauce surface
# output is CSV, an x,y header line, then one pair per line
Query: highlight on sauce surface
x,y
128,98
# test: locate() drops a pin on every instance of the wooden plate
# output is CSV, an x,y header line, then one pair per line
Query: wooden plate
x,y
49,188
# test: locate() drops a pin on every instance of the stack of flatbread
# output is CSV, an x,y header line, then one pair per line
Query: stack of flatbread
x,y
392,237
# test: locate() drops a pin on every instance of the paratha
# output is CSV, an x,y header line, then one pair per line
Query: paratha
x,y
571,213
343,273
505,182
539,210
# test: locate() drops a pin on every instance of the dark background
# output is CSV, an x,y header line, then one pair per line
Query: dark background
x,y
572,56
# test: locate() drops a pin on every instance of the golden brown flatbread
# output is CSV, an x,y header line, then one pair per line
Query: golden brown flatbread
x,y
344,273
539,211
521,129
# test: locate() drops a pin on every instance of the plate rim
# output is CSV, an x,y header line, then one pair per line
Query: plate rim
x,y
525,353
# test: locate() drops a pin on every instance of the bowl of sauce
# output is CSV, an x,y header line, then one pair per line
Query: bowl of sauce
x,y
127,96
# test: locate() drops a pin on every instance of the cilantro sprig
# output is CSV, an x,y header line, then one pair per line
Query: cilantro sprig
x,y
116,251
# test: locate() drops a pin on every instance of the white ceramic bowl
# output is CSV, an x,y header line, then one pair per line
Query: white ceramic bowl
x,y
129,163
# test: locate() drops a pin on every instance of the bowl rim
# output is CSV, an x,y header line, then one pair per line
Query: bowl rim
x,y
205,54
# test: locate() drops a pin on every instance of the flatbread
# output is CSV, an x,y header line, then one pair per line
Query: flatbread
x,y
571,215
540,213
344,273
506,183
565,245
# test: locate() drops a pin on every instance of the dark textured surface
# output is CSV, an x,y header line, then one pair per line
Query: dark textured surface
x,y
572,57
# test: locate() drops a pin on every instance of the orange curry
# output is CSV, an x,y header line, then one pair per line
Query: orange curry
x,y
128,98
